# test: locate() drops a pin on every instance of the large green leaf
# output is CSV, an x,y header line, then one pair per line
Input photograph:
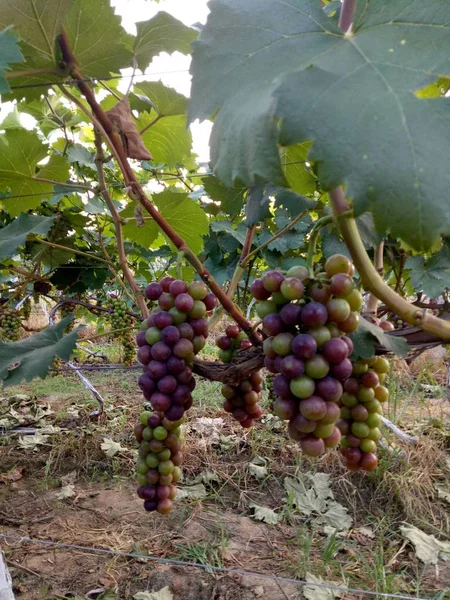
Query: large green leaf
x,y
144,236
259,61
168,140
231,199
368,334
162,33
9,53
165,100
298,176
32,356
433,277
15,234
20,151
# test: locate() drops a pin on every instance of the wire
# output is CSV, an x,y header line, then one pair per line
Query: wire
x,y
182,563
92,79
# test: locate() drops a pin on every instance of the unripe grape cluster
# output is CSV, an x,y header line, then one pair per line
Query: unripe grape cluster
x,y
10,322
306,320
67,309
234,339
170,337
361,413
120,319
26,308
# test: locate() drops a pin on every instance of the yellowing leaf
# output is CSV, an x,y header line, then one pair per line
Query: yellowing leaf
x,y
68,491
262,513
111,448
317,590
428,549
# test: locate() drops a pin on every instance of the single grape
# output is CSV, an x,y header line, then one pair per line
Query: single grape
x,y
317,366
359,412
351,324
338,263
291,314
332,441
157,369
175,365
335,350
162,319
258,290
387,326
360,430
140,338
161,352
183,348
381,365
313,408
265,308
224,342
198,290
292,288
324,430
152,335
154,421
273,324
341,285
332,415
272,280
302,387
329,388
312,446
178,286
320,292
381,393
181,395
146,384
167,384
210,301
170,335
369,461
293,367
304,346
298,271
160,402
314,314
302,424
282,386
185,303
320,334
166,301
176,411
284,409
200,326
282,343
342,370
153,291
355,300
338,310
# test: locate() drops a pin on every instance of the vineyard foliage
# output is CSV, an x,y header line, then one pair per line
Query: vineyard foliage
x,y
299,108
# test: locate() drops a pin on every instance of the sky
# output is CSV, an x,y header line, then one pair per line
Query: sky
x,y
190,12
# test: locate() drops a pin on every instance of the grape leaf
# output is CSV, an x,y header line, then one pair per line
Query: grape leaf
x,y
433,277
231,199
15,234
144,236
228,228
167,139
368,334
9,53
257,207
299,178
161,33
20,151
32,356
165,100
262,61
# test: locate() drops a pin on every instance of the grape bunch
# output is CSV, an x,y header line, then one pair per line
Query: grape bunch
x,y
170,337
10,323
160,445
361,412
40,287
234,339
26,308
67,309
395,321
242,401
120,319
306,319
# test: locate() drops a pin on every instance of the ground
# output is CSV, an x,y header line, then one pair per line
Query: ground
x,y
76,487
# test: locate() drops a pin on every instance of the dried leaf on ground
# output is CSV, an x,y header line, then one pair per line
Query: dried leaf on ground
x,y
163,594
258,467
428,549
31,442
262,513
111,448
443,492
315,591
196,491
68,491
207,476
12,475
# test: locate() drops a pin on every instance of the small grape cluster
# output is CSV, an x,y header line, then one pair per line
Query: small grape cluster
x,y
26,308
120,319
361,413
169,339
395,322
10,322
160,444
234,339
40,287
68,308
242,401
306,319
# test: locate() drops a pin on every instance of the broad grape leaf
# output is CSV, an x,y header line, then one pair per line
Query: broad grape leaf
x,y
81,155
281,73
294,203
111,448
298,176
227,227
262,513
196,492
431,277
144,236
20,151
32,356
368,334
428,549
167,139
161,33
316,588
165,100
9,53
231,199
15,234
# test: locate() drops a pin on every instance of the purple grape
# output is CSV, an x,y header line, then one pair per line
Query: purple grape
x,y
166,301
154,421
314,314
162,319
183,348
349,343
157,369
291,314
272,324
281,386
160,351
144,354
175,412
153,291
140,339
185,376
278,363
191,384
149,492
177,287
210,301
186,331
224,342
189,404
151,320
160,402
200,326
259,291
329,388
167,384
304,346
165,283
335,350
184,303
181,395
140,492
292,366
175,365
151,505
272,280
269,364
342,370
147,385
170,335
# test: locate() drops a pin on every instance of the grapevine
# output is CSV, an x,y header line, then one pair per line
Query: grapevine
x,y
170,337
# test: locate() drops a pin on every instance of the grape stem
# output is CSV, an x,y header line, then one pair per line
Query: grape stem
x,y
99,162
136,192
371,278
313,236
372,303
73,251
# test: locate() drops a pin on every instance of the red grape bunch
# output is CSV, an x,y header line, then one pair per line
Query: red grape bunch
x,y
10,323
169,339
306,319
120,319
361,412
234,339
